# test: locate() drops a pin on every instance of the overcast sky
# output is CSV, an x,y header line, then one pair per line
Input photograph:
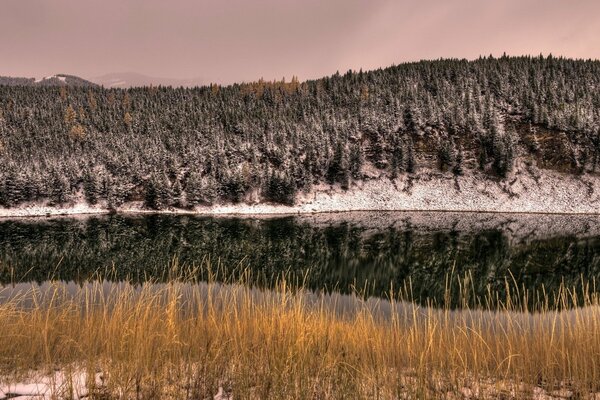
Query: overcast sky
x,y
241,40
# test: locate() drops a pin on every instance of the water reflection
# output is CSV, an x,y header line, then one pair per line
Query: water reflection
x,y
424,253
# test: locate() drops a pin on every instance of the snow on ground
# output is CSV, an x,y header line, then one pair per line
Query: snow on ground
x,y
534,191
37,210
75,385
52,386
528,192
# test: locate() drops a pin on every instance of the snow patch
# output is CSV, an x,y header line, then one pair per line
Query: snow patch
x,y
435,191
540,191
38,210
117,83
57,385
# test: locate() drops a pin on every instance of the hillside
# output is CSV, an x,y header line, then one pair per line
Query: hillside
x,y
500,126
124,80
54,80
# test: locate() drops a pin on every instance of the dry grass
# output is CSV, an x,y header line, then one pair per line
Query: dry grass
x,y
184,341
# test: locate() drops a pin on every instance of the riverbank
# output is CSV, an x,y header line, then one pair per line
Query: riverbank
x,y
528,190
183,341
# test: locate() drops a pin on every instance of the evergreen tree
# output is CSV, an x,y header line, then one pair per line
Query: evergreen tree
x,y
356,161
410,157
338,168
61,191
91,188
457,169
397,163
280,189
446,154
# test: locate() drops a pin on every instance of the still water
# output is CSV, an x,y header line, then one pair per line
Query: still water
x,y
373,253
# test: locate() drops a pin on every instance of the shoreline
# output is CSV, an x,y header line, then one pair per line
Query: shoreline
x,y
527,191
6,214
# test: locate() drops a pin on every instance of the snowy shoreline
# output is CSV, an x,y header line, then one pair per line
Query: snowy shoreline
x,y
532,192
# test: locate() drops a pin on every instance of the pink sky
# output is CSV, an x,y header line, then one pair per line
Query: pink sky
x,y
240,40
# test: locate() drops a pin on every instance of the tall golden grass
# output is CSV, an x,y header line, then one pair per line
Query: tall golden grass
x,y
186,340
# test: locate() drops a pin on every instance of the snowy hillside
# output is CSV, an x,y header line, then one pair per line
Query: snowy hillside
x,y
506,134
52,80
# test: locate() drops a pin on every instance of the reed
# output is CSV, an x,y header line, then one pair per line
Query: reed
x,y
188,340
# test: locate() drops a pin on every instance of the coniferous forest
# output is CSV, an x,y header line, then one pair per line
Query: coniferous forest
x,y
184,147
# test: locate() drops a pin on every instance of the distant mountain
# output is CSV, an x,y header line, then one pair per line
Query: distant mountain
x,y
133,79
53,80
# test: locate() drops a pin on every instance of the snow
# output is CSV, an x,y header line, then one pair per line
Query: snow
x,y
37,210
61,78
538,192
527,191
74,386
56,385
117,83
63,385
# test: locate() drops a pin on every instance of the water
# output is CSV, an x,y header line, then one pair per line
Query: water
x,y
423,253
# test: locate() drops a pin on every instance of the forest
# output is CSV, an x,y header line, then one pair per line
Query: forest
x,y
187,147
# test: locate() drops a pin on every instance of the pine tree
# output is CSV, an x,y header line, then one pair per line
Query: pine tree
x,y
178,197
157,193
193,190
397,163
91,188
410,157
280,189
458,167
338,168
356,161
61,191
446,154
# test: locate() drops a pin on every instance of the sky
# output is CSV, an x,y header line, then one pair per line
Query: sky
x,y
225,41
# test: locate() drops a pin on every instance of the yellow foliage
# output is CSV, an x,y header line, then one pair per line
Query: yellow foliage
x,y
77,132
278,87
127,119
364,93
126,101
70,115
